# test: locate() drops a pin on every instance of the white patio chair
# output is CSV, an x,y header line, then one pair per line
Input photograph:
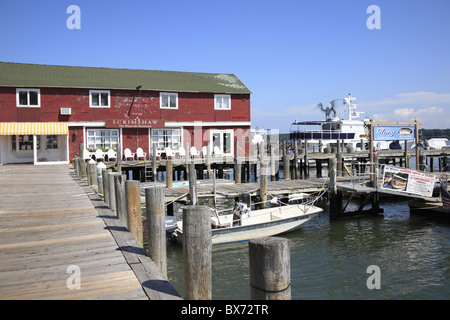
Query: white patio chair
x,y
169,152
127,154
217,151
181,152
99,155
112,155
204,152
87,155
141,154
194,152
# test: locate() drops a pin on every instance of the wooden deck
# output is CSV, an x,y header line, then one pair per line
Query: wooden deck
x,y
48,223
228,188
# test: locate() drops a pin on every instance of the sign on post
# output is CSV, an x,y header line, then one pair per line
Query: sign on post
x,y
408,181
388,133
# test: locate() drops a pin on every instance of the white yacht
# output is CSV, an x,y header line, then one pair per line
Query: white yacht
x,y
333,128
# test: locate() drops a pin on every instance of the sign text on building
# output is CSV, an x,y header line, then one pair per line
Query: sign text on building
x,y
134,123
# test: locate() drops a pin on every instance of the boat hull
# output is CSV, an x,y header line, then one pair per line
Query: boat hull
x,y
277,224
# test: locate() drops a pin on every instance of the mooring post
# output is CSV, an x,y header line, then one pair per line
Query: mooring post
x,y
76,166
99,170
169,173
422,160
339,159
295,165
197,252
270,269
154,165
286,162
134,220
105,186
112,191
263,185
121,205
92,179
192,183
208,159
156,229
333,187
237,164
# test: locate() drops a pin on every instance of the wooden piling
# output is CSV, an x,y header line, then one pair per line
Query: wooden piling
x,y
112,191
83,170
333,187
197,252
156,230
192,184
154,165
286,163
121,201
295,176
169,173
99,179
76,166
105,186
134,219
92,174
208,159
263,185
422,160
237,164
306,160
270,269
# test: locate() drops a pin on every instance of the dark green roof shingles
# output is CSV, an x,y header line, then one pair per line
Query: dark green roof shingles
x,y
36,75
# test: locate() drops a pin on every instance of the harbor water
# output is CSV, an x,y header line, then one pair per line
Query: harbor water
x,y
330,259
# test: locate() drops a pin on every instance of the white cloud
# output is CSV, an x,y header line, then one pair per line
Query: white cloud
x,y
426,107
404,112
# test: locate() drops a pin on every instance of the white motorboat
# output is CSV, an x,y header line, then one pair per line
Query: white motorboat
x,y
244,224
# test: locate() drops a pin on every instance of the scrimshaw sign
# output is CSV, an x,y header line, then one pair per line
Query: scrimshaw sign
x,y
134,123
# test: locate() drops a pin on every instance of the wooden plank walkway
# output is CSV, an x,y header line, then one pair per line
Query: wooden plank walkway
x,y
48,223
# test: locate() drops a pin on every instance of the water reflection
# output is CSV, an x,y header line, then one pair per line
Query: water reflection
x,y
329,259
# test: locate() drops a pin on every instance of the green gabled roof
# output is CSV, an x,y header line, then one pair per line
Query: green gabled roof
x,y
37,75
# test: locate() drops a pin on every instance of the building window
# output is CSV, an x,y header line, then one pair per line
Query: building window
x,y
168,100
222,102
102,139
30,98
166,138
21,142
99,99
52,142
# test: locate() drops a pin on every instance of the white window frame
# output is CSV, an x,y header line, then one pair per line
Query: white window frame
x,y
28,98
99,98
170,94
161,137
101,140
219,106
221,142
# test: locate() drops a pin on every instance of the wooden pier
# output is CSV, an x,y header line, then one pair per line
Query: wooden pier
x,y
59,241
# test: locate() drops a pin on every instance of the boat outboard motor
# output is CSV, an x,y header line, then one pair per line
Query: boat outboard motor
x,y
240,211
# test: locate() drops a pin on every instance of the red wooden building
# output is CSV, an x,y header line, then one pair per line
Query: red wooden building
x,y
47,111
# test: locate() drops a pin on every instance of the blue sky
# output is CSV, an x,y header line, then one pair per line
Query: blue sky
x,y
292,54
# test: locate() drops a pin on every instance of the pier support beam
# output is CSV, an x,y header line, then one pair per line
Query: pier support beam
x,y
334,207
270,269
192,183
197,252
134,217
121,203
263,184
156,237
